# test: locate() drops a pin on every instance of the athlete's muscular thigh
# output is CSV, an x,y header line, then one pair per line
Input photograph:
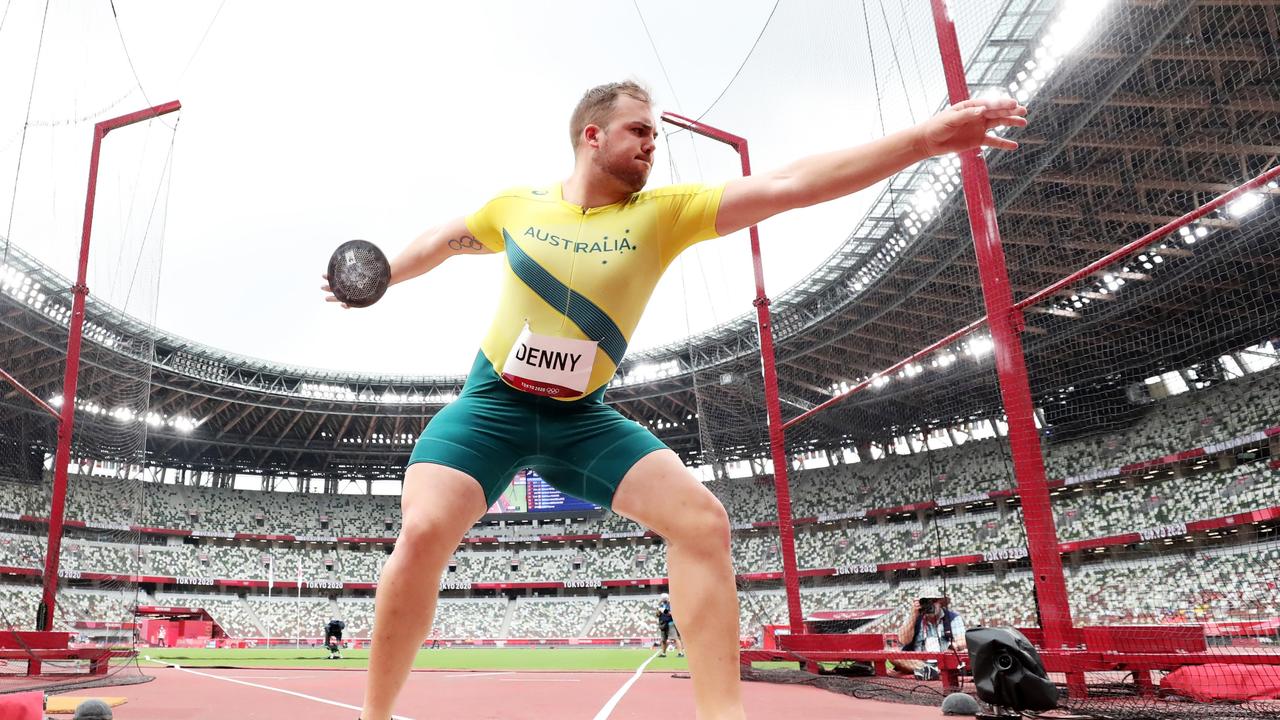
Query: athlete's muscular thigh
x,y
439,502
661,494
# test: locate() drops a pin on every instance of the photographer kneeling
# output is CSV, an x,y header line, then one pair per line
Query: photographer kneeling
x,y
931,626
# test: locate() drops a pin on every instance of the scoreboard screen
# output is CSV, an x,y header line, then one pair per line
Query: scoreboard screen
x,y
530,493
544,498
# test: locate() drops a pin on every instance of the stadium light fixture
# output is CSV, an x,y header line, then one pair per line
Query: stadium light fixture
x,y
1244,204
1072,25
979,346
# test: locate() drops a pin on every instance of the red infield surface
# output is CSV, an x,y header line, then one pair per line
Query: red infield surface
x,y
273,694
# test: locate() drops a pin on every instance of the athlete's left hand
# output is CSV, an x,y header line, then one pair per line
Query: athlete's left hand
x,y
966,124
329,297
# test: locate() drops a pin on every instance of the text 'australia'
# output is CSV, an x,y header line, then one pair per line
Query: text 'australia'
x,y
603,245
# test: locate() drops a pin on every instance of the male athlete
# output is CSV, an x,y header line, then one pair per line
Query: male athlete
x,y
582,258
668,633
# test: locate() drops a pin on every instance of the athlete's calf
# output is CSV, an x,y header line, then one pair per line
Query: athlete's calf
x,y
438,505
660,494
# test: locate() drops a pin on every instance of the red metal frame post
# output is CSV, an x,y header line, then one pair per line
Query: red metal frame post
x,y
786,531
25,391
1057,286
44,615
1005,322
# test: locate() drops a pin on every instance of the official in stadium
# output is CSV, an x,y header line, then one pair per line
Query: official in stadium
x,y
583,256
333,638
931,626
667,630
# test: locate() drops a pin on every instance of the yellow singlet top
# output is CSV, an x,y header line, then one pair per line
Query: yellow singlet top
x,y
586,274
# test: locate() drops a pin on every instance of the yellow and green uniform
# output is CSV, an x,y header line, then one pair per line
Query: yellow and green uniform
x,y
570,272
586,273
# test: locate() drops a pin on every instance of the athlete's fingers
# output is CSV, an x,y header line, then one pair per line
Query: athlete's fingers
x,y
1009,121
1010,108
999,143
999,105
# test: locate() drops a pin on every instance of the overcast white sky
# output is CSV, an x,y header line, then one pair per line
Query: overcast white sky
x,y
307,124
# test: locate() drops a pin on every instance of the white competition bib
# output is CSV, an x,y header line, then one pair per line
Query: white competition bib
x,y
549,366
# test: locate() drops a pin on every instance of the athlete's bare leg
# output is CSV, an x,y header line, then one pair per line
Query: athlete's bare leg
x,y
438,505
659,493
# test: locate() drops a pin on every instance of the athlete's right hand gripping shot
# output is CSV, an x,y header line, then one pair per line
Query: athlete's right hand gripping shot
x,y
583,257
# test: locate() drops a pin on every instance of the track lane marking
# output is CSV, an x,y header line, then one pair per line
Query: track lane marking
x,y
617,697
304,696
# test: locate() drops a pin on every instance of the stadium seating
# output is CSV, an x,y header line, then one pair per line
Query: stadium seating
x,y
470,618
1079,515
18,605
535,617
1186,581
289,617
627,616
234,615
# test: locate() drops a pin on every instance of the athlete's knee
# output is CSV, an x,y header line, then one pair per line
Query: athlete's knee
x,y
428,535
703,524
426,538
436,507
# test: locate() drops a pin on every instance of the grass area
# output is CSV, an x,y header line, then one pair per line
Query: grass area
x,y
563,659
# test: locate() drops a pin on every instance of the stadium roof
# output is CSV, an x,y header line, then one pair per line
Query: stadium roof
x,y
1173,104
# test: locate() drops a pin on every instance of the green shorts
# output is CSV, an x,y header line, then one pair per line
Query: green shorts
x,y
582,447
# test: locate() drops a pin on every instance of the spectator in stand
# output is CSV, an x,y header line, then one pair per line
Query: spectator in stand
x,y
667,627
931,626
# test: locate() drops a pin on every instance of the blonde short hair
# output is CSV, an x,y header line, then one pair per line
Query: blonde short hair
x,y
597,104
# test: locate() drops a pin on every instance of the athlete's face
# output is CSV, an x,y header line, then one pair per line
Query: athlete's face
x,y
627,143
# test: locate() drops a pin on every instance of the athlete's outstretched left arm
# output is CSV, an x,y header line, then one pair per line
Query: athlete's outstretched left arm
x,y
426,252
818,178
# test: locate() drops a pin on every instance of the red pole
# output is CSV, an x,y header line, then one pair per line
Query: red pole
x,y
1091,269
1160,232
786,531
1006,323
44,616
887,371
30,395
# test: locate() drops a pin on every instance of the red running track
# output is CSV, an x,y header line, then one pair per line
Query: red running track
x,y
197,694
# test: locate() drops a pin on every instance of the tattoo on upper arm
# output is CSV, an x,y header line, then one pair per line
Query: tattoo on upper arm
x,y
466,243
